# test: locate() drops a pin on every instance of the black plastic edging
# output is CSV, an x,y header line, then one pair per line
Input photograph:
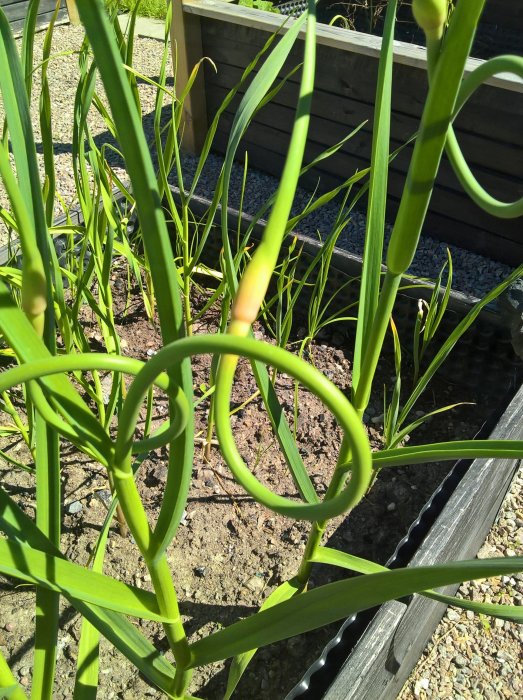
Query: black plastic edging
x,y
375,665
373,653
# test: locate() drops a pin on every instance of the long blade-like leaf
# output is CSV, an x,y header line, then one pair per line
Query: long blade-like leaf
x,y
451,341
59,575
125,636
335,601
9,687
22,337
446,451
326,555
375,230
157,243
255,94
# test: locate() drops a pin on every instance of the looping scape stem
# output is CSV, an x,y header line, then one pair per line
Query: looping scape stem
x,y
31,371
470,84
284,361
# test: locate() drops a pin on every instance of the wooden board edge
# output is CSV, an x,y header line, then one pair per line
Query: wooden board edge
x,y
337,37
404,641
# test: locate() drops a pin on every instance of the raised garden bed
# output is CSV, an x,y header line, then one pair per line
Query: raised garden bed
x,y
16,11
372,654
488,127
241,550
461,512
499,31
246,528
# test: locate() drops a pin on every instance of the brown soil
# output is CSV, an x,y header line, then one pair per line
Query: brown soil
x,y
230,553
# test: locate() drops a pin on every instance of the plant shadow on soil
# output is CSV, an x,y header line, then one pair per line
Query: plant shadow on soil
x,y
230,552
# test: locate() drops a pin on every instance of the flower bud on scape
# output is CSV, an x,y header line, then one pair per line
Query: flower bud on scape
x,y
431,15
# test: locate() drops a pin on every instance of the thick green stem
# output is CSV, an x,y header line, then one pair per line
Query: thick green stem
x,y
48,520
136,518
210,420
187,274
132,508
226,303
318,528
175,632
430,143
494,66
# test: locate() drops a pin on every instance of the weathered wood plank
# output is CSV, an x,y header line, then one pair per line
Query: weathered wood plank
x,y
403,634
326,131
450,202
44,6
479,150
488,129
18,10
503,13
72,11
41,21
491,154
344,40
491,112
186,46
437,225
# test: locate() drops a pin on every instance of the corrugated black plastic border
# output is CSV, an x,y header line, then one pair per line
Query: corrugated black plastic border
x,y
362,660
373,652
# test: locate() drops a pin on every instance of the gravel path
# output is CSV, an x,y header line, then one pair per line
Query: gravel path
x,y
479,657
473,274
467,658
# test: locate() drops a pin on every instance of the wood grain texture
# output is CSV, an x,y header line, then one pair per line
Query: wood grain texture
x,y
350,76
333,37
503,13
458,533
16,12
488,129
72,11
326,130
186,46
266,147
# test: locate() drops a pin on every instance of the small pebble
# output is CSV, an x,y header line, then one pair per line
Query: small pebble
x,y
74,507
460,661
104,495
255,584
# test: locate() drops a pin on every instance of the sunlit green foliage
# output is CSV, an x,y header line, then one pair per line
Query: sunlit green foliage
x,y
65,402
146,8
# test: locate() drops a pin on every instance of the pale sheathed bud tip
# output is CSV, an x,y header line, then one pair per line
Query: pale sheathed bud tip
x,y
430,15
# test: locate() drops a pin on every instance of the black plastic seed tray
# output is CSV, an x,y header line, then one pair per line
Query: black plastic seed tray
x,y
295,8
